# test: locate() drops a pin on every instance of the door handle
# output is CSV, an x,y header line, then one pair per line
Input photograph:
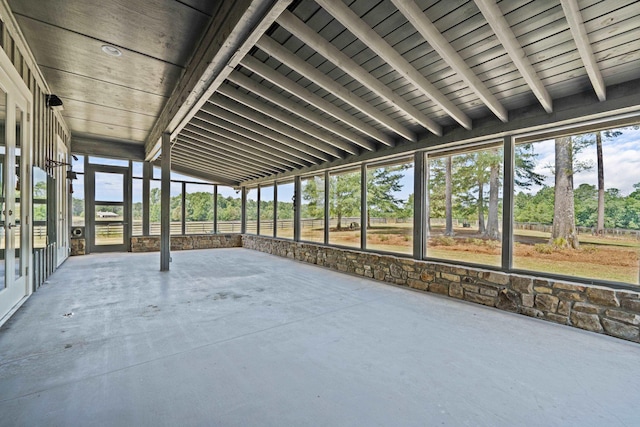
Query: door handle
x,y
10,226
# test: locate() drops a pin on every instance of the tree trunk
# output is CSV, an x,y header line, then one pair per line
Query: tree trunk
x,y
600,224
564,223
368,218
339,226
481,227
448,205
493,226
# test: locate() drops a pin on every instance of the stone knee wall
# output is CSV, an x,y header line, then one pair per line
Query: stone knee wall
x,y
179,243
77,247
597,309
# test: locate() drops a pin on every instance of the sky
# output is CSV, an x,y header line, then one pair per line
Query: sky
x,y
621,158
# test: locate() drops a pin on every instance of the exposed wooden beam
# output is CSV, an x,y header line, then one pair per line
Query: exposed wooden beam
x,y
285,118
507,38
320,153
295,108
432,35
268,122
212,135
220,169
234,156
205,176
232,32
303,32
199,152
285,56
230,125
360,29
307,96
230,131
580,36
220,164
227,147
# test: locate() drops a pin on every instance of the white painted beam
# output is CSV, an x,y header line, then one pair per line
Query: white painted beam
x,y
300,30
185,152
230,131
432,35
226,120
232,33
295,108
208,139
322,153
305,69
507,38
580,36
274,125
285,118
306,95
360,29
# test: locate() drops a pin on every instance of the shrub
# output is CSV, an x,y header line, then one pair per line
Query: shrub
x,y
543,248
444,241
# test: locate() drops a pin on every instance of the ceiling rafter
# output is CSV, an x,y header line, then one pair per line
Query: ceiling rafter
x,y
580,36
436,40
308,36
204,175
229,124
360,29
274,125
306,95
229,130
493,15
277,51
281,116
221,167
322,153
215,142
233,156
295,108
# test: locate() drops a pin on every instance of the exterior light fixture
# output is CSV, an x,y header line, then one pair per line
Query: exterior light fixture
x,y
54,102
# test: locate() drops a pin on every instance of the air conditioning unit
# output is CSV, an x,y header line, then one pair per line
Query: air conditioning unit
x,y
77,232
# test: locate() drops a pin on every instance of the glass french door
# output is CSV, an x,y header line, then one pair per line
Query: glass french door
x,y
15,244
108,210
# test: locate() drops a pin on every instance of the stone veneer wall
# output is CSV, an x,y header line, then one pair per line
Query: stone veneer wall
x,y
77,246
597,309
192,241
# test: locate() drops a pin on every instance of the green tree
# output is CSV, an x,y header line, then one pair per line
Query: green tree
x,y
344,196
382,184
313,198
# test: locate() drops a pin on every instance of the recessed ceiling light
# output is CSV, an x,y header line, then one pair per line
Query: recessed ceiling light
x,y
111,50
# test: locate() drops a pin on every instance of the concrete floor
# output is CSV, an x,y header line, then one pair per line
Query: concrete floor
x,y
234,337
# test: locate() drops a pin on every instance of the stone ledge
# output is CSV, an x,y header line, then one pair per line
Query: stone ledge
x,y
187,242
594,308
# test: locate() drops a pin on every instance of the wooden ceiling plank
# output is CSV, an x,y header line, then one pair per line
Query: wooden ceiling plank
x,y
297,109
273,48
436,40
268,122
579,33
306,95
507,38
300,30
377,44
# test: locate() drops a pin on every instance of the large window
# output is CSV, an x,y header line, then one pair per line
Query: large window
x,y
312,209
154,207
344,205
176,207
266,210
390,206
40,208
465,206
577,205
252,211
284,210
229,210
136,207
198,208
77,195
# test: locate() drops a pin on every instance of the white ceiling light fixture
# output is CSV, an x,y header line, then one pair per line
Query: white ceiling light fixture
x,y
111,50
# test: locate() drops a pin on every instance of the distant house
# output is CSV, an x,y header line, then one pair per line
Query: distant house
x,y
106,214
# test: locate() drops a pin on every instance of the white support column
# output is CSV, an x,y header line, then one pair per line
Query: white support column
x,y
165,204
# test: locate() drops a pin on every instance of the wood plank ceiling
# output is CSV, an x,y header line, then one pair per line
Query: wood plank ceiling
x,y
334,79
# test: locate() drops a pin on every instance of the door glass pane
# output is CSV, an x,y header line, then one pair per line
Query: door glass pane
x,y
312,209
266,210
109,187
39,208
344,204
109,234
109,213
18,223
229,210
3,190
136,206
